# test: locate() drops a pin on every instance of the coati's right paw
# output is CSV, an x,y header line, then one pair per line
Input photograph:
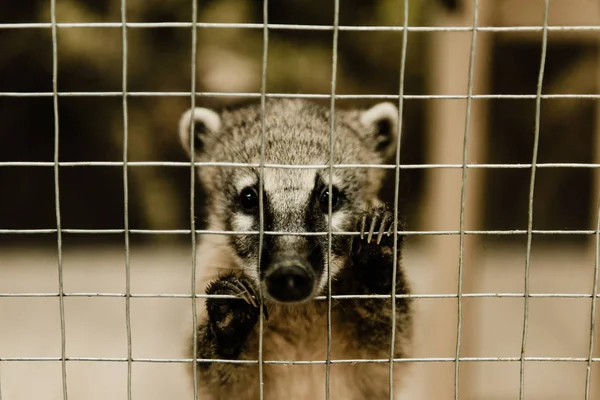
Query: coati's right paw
x,y
232,319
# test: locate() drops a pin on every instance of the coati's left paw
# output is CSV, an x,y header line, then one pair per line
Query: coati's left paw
x,y
373,249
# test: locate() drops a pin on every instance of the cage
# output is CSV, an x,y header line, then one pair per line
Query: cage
x,y
496,176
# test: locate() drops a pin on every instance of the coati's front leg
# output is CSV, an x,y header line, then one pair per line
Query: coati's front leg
x,y
371,273
224,334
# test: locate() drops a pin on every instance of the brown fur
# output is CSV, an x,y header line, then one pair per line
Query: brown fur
x,y
297,132
299,333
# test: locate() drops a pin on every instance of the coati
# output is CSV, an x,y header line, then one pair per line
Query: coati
x,y
293,268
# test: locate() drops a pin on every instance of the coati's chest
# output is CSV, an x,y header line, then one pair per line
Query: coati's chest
x,y
302,339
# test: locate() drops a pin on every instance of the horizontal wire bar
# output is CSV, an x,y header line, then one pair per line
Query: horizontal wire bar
x,y
390,28
304,362
285,166
281,233
305,95
318,298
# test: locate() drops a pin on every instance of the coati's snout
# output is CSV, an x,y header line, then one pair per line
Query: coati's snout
x,y
289,281
291,268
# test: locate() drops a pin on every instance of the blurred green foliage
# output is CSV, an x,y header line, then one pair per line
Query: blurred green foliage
x,y
158,60
90,59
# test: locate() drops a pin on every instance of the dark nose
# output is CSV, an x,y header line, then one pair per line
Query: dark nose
x,y
289,282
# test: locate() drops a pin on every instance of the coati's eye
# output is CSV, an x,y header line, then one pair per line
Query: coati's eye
x,y
335,199
249,199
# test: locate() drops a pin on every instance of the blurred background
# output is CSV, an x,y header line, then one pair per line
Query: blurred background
x,y
501,131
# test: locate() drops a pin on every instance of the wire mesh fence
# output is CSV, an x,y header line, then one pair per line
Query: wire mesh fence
x,y
196,234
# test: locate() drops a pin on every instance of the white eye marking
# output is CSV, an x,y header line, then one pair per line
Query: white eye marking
x,y
242,222
244,182
335,181
337,220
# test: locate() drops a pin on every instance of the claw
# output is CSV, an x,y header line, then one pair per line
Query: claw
x,y
236,289
247,295
242,292
363,222
371,228
382,229
250,299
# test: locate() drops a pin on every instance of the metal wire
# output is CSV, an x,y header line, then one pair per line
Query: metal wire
x,y
261,172
280,233
334,60
305,362
126,201
314,96
307,27
593,308
334,297
63,344
463,196
397,193
594,297
400,97
193,232
536,142
287,166
336,18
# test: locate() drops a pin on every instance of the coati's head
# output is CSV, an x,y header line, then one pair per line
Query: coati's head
x,y
293,268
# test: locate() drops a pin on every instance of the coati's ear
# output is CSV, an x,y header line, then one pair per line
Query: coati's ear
x,y
205,122
381,120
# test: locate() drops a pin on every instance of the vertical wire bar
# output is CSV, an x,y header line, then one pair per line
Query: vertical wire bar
x,y
594,294
193,200
397,192
334,60
126,199
593,311
261,171
61,293
597,261
463,196
536,141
